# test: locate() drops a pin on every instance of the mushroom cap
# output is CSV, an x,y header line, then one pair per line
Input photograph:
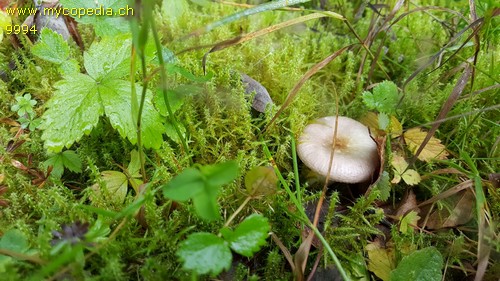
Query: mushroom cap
x,y
356,156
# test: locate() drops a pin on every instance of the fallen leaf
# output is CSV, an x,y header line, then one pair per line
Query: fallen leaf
x,y
261,181
401,171
432,150
381,261
457,210
409,203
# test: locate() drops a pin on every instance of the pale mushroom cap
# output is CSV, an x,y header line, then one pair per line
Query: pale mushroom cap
x,y
355,158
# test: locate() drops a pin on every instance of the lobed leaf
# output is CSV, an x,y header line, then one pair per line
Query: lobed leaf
x,y
115,96
73,111
108,59
66,159
106,24
432,150
384,98
51,47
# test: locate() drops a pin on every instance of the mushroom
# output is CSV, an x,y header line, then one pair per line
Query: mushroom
x,y
355,158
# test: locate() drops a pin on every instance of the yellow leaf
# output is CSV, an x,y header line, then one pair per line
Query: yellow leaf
x,y
432,150
371,120
410,176
395,128
380,260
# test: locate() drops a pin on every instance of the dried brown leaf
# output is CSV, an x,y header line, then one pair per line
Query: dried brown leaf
x,y
432,150
457,210
408,204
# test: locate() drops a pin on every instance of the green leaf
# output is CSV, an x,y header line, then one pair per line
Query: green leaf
x,y
171,10
51,47
115,96
72,161
108,59
172,134
219,174
107,22
116,183
73,111
184,186
421,265
249,236
12,240
67,159
68,67
205,203
205,253
135,164
261,181
384,97
384,186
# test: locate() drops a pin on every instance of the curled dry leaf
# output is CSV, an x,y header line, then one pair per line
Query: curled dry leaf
x,y
432,150
457,210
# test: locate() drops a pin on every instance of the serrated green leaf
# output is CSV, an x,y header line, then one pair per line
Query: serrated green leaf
x,y
249,236
384,97
205,253
103,64
115,96
106,24
185,185
57,165
67,159
421,265
73,111
71,161
383,186
220,174
51,47
68,67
